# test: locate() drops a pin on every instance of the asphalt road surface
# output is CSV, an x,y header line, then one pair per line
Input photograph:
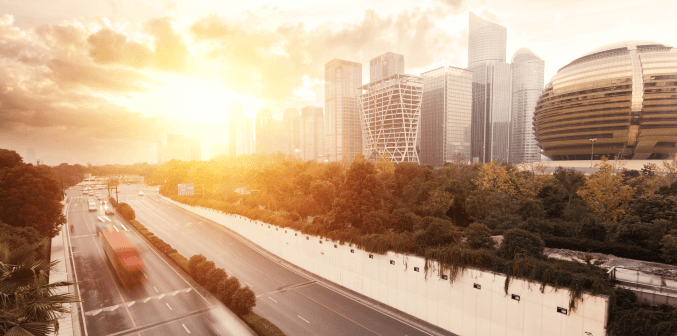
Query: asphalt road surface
x,y
294,302
166,303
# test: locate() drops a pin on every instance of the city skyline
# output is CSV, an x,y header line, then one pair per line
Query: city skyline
x,y
156,68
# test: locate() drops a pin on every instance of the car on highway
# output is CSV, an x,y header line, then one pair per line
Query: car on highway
x,y
140,193
108,209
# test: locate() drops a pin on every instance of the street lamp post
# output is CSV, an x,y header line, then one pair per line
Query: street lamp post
x,y
592,150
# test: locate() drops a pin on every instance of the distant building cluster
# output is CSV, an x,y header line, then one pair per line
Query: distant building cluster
x,y
617,101
179,147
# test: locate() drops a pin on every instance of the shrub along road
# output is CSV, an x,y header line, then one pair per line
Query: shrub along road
x,y
293,302
111,309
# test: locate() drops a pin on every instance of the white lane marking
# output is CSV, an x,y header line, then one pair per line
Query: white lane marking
x,y
229,272
116,228
100,219
302,318
156,291
108,219
124,227
144,274
184,327
170,307
248,284
272,299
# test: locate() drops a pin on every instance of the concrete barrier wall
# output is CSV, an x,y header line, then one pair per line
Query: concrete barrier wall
x,y
475,303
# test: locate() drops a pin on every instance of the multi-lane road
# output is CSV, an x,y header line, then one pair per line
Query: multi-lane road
x,y
166,303
296,302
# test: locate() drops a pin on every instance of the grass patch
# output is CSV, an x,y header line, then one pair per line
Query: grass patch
x,y
179,260
261,326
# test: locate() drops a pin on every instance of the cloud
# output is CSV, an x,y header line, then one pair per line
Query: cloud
x,y
171,51
271,64
109,46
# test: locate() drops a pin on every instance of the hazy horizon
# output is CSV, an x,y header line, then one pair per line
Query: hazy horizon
x,y
102,83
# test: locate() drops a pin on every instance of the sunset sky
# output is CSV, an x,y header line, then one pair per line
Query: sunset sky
x,y
101,81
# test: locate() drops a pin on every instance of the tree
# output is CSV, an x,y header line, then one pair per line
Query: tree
x,y
31,196
360,194
403,220
323,193
28,304
479,236
433,231
17,237
202,270
9,158
606,195
195,260
244,300
520,243
213,278
226,289
669,247
570,179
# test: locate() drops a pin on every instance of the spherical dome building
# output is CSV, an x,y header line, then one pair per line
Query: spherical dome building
x,y
622,95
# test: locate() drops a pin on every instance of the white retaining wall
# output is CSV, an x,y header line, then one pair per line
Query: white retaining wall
x,y
399,281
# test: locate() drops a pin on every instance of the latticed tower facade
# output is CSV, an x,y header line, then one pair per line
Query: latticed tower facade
x,y
390,112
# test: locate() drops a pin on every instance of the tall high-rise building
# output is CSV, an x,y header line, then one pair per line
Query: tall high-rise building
x,y
343,132
236,129
390,110
248,136
194,149
446,114
160,152
385,65
490,135
312,134
264,131
291,124
528,76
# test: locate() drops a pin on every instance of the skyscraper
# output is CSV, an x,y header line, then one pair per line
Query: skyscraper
x,y
446,114
343,133
235,129
385,65
390,111
490,135
264,130
248,136
291,124
312,134
528,72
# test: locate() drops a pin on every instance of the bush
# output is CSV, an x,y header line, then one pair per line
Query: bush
x,y
244,300
588,245
433,231
179,260
201,271
113,202
631,318
213,278
479,236
519,243
192,264
126,211
226,289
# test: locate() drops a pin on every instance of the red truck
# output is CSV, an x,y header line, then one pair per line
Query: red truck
x,y
124,257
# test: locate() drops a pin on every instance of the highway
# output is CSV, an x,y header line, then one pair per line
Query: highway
x,y
166,304
292,300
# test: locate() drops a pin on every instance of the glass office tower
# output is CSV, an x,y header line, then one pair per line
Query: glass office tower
x,y
446,114
490,135
343,132
312,134
528,72
385,65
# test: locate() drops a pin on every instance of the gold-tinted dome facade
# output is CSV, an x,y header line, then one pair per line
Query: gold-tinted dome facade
x,y
623,95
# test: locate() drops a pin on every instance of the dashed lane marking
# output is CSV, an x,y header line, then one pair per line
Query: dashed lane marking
x,y
272,299
184,327
248,284
303,319
168,306
144,300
